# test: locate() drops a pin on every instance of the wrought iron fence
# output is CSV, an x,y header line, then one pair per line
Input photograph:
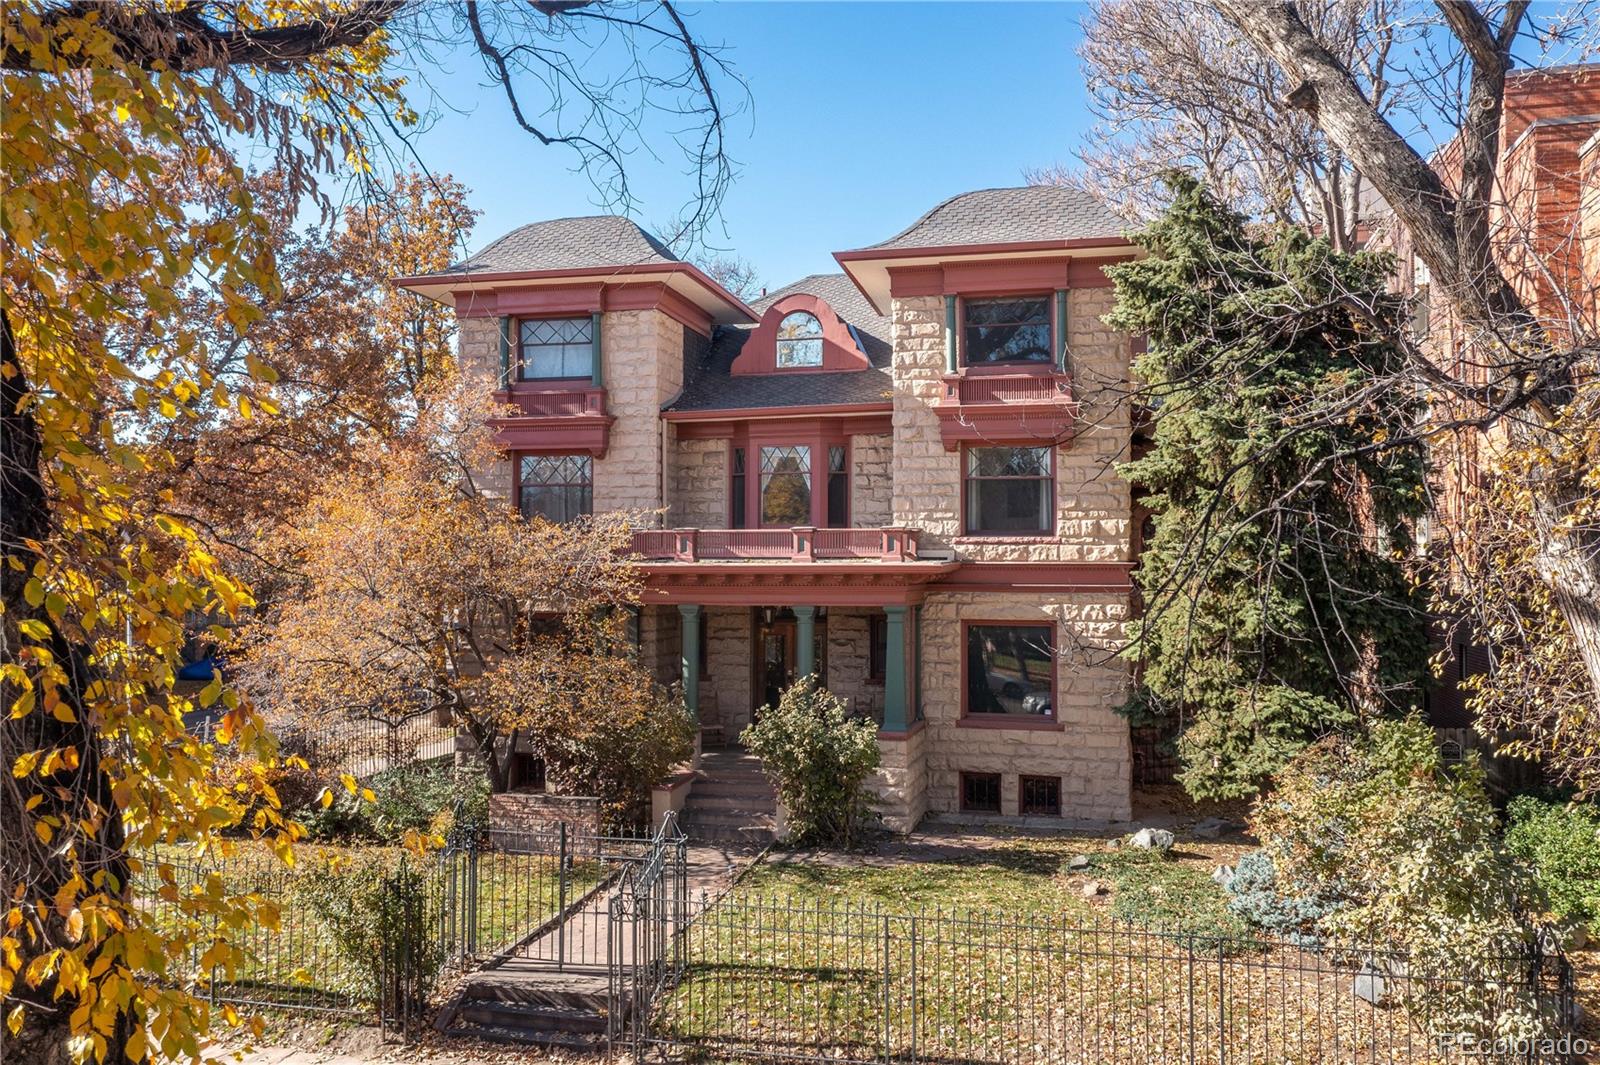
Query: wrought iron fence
x,y
365,741
778,981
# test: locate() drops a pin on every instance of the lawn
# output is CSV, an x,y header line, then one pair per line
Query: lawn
x,y
994,952
301,962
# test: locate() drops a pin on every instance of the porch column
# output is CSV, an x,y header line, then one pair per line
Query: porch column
x,y
805,652
895,718
691,659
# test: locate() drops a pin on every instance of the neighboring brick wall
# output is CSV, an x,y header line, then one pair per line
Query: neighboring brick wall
x,y
1090,752
1093,504
871,480
536,812
699,485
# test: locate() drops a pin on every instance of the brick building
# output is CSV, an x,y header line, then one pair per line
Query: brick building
x,y
898,477
1544,218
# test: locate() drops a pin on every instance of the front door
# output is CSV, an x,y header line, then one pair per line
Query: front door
x,y
775,667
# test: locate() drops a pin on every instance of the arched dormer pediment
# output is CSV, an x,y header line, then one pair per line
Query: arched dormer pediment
x,y
801,323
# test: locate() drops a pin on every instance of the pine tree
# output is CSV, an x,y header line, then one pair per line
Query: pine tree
x,y
1278,602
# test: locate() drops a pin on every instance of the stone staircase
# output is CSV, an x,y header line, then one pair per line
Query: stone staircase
x,y
537,1007
731,802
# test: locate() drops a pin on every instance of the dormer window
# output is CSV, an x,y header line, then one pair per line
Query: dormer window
x,y
799,341
1014,329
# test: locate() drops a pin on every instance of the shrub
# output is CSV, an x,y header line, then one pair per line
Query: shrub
x,y
819,761
419,797
1562,844
1294,913
382,916
1410,848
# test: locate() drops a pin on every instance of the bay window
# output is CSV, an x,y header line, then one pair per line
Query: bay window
x,y
786,485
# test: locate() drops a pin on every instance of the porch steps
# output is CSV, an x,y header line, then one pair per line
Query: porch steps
x,y
731,802
537,1007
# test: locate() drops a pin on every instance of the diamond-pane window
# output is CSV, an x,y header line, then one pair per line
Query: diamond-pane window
x,y
557,488
786,485
556,347
799,341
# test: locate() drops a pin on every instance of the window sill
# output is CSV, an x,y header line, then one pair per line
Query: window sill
x,y
1006,538
1017,722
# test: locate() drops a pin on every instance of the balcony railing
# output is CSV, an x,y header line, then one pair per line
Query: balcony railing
x,y
535,401
1004,388
1005,408
802,544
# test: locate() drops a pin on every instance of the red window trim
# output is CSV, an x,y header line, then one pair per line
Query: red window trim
x,y
961,795
818,437
1040,368
1041,722
876,622
1048,533
1022,789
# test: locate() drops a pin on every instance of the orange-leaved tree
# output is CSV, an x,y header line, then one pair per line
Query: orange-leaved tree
x,y
417,589
123,194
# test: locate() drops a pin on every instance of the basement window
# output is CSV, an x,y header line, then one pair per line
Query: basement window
x,y
1039,796
980,793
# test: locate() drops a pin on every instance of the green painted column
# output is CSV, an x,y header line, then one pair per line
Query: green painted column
x,y
505,353
691,658
1061,330
597,374
805,638
895,717
949,334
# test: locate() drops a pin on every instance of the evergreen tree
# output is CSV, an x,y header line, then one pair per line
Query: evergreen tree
x,y
1278,602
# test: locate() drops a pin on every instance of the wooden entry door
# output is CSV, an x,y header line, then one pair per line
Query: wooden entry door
x,y
774,663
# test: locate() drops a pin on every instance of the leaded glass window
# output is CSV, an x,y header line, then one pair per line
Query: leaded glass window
x,y
799,341
786,485
557,488
1014,329
555,348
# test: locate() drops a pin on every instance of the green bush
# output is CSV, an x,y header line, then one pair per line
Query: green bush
x,y
1562,844
1411,849
819,761
420,797
382,916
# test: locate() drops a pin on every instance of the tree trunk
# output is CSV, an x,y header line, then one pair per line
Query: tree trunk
x,y
81,796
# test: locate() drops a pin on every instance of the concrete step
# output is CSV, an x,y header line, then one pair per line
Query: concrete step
x,y
712,816
589,1042
755,803
720,789
490,1013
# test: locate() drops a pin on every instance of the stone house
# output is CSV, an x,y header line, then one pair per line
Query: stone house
x,y
899,477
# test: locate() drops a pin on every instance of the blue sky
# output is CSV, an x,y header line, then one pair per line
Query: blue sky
x,y
861,117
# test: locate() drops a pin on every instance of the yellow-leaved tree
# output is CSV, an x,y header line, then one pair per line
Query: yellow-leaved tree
x,y
100,355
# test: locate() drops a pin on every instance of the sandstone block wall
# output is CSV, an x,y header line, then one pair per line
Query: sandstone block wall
x,y
849,665
699,485
871,480
1092,503
478,354
1089,752
901,783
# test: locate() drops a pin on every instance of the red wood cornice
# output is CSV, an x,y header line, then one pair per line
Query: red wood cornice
x,y
1000,276
584,298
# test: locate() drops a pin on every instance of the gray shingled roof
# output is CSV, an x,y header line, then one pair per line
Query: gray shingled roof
x,y
995,216
568,244
711,387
